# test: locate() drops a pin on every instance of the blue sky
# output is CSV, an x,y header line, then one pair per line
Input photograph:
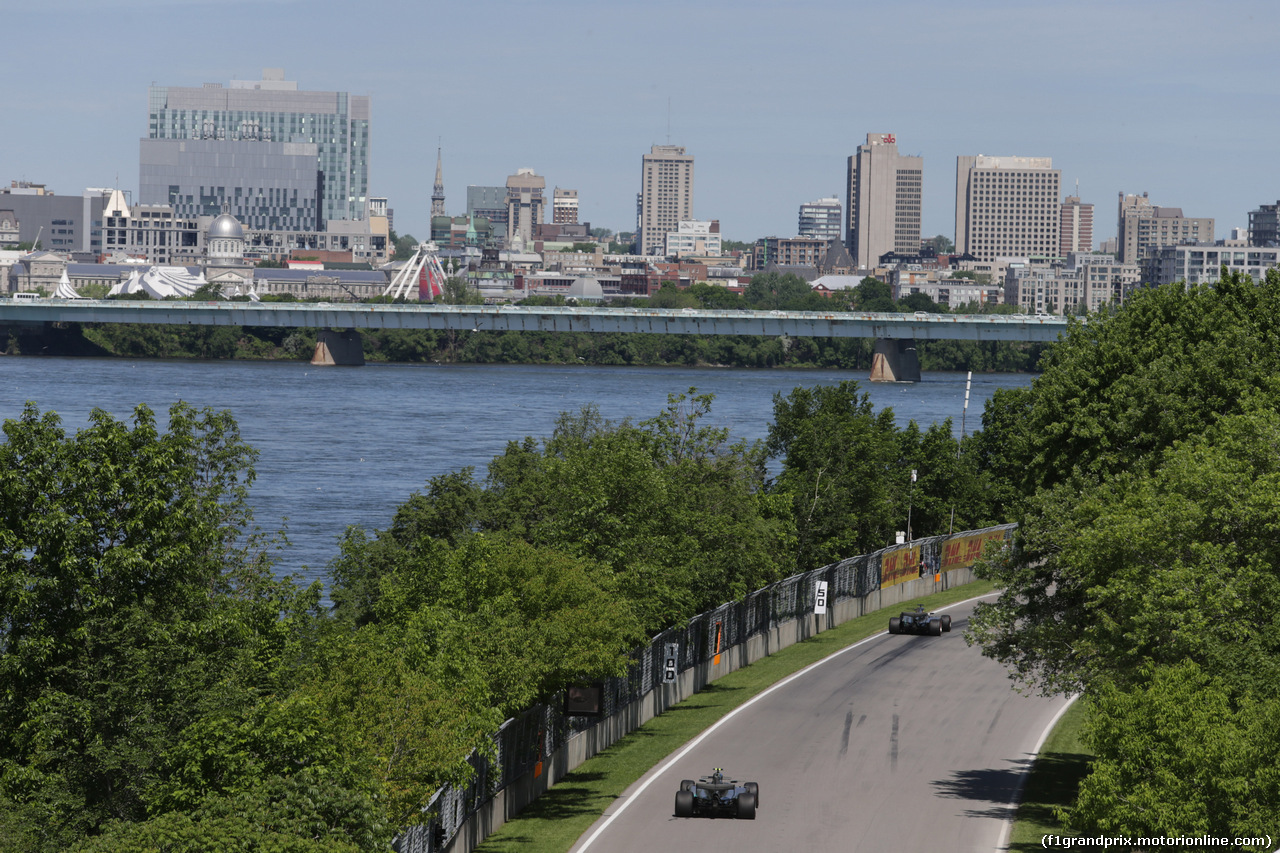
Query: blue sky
x,y
1177,99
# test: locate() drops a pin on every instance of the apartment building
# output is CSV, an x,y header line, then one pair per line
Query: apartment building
x,y
1144,227
696,239
1200,264
1007,207
1264,225
665,198
1075,229
821,219
564,206
525,203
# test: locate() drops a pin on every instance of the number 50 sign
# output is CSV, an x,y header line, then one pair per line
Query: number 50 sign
x,y
820,600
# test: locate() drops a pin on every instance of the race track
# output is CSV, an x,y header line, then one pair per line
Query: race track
x,y
897,743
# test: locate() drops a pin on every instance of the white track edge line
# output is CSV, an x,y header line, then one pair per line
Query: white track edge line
x,y
697,740
1016,800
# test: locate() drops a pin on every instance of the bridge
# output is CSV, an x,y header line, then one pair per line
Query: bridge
x,y
894,333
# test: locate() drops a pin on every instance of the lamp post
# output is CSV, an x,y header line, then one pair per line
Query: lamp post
x,y
910,491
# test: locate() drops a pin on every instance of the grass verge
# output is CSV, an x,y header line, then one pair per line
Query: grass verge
x,y
1054,780
554,821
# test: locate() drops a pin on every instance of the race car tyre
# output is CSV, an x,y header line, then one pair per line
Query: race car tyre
x,y
747,806
684,803
686,785
753,788
946,623
935,627
895,624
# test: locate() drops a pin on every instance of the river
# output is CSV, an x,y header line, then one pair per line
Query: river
x,y
343,446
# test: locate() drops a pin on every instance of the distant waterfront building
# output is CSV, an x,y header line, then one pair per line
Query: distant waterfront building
x,y
564,206
821,219
1144,227
1084,281
268,185
253,113
885,190
525,202
64,223
699,239
1200,264
665,198
8,229
489,203
1075,226
788,252
1007,207
1264,225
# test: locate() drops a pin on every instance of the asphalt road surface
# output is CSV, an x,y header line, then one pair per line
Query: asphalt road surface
x,y
897,743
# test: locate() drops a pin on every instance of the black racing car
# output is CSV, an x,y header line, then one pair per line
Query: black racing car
x,y
716,796
919,622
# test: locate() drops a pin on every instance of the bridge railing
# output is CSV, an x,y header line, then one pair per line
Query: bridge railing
x,y
525,743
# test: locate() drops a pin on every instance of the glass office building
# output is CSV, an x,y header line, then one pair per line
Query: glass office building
x,y
268,119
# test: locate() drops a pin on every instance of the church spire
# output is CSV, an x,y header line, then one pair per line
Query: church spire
x,y
437,192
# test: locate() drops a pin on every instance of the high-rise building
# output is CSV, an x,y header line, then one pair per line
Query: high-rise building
x,y
264,185
884,200
1075,228
253,114
1264,225
1007,207
1144,227
821,219
564,206
525,201
665,198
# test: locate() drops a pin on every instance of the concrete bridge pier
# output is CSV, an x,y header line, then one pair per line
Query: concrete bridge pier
x,y
335,347
895,361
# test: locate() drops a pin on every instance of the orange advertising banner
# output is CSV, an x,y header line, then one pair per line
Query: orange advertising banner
x,y
963,551
899,565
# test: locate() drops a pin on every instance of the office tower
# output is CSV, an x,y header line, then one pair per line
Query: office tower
x,y
272,186
1007,207
61,223
884,200
1075,228
524,205
665,198
820,219
437,191
271,118
564,207
1145,227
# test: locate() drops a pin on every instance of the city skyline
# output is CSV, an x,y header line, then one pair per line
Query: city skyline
x,y
1125,98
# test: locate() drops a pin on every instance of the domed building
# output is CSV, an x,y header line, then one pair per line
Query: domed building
x,y
224,261
225,240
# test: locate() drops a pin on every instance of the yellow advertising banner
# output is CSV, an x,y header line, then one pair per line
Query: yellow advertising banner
x,y
963,551
899,565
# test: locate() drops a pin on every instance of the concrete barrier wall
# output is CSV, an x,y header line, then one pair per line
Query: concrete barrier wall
x,y
512,800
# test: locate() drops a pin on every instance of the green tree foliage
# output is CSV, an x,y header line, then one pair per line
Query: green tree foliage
x,y
129,612
1144,464
1176,756
676,515
846,473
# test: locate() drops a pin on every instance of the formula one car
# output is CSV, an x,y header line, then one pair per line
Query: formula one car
x,y
716,796
919,622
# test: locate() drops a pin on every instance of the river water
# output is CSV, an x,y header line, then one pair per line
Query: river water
x,y
343,446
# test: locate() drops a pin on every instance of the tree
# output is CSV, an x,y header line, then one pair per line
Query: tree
x,y
841,471
129,610
775,291
458,292
873,295
940,244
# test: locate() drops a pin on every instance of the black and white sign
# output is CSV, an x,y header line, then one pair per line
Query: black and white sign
x,y
820,603
670,663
